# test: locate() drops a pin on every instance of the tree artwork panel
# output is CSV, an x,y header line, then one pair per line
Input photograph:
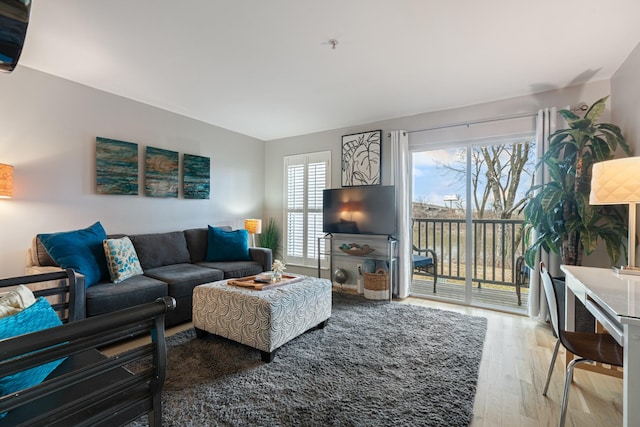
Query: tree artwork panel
x,y
361,159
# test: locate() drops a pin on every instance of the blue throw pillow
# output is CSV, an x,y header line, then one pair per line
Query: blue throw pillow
x,y
36,317
223,245
80,250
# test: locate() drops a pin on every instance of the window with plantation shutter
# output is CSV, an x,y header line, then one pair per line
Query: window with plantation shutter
x,y
306,176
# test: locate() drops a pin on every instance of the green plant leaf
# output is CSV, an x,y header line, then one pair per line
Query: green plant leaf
x,y
270,237
580,124
555,171
551,196
556,142
615,130
589,241
614,249
600,149
593,113
584,209
568,115
612,141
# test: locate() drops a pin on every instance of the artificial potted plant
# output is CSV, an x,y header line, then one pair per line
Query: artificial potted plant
x,y
560,213
270,237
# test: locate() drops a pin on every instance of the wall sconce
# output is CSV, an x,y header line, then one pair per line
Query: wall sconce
x,y
6,181
616,182
253,226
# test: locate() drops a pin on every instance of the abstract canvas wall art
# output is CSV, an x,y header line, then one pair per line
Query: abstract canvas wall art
x,y
116,167
161,177
195,176
361,158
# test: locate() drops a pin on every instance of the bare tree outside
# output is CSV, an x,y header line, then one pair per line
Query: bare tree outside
x,y
500,176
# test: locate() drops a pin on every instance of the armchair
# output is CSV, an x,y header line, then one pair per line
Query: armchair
x,y
425,262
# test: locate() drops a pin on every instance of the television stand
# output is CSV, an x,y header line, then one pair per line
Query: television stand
x,y
382,250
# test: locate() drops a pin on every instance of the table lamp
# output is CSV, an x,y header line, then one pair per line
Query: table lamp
x,y
617,182
6,181
253,226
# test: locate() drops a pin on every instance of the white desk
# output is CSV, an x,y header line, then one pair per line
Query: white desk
x,y
614,300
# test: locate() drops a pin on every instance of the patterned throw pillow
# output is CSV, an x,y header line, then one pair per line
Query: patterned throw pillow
x,y
122,259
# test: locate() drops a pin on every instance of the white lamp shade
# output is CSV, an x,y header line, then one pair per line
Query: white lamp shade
x,y
253,226
615,182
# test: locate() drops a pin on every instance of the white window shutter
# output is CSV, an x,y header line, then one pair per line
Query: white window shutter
x,y
306,178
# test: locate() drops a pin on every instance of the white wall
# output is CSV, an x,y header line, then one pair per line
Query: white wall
x,y
331,140
48,128
625,85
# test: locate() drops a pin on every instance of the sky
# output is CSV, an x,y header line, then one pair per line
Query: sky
x,y
432,182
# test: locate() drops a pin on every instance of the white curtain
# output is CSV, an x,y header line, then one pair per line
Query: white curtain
x,y
545,126
401,173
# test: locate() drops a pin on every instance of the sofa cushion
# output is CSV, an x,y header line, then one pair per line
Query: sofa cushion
x,y
226,245
122,260
182,278
233,269
36,317
107,297
158,249
197,240
197,243
80,250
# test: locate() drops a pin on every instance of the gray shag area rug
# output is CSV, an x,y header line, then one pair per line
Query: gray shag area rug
x,y
375,364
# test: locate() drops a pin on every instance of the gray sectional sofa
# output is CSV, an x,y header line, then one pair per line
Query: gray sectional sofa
x,y
173,263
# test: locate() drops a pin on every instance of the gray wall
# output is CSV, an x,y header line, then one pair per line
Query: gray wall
x,y
49,126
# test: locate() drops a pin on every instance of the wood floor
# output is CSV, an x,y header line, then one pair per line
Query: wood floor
x,y
515,359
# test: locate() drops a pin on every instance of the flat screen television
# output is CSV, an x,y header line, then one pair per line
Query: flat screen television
x,y
14,19
360,210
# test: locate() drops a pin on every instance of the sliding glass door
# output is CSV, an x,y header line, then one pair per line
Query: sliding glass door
x,y
467,217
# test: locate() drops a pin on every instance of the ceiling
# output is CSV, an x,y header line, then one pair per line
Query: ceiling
x,y
265,68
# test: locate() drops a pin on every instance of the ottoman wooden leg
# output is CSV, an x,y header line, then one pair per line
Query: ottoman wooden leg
x,y
268,356
201,333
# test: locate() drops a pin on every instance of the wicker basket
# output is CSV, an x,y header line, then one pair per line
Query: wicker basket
x,y
376,285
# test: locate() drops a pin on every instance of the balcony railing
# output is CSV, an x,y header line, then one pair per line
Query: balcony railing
x,y
496,245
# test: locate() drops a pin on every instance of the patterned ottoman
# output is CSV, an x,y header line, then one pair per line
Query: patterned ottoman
x,y
262,319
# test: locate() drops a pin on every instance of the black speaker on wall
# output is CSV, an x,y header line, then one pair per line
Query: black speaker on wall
x,y
14,19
